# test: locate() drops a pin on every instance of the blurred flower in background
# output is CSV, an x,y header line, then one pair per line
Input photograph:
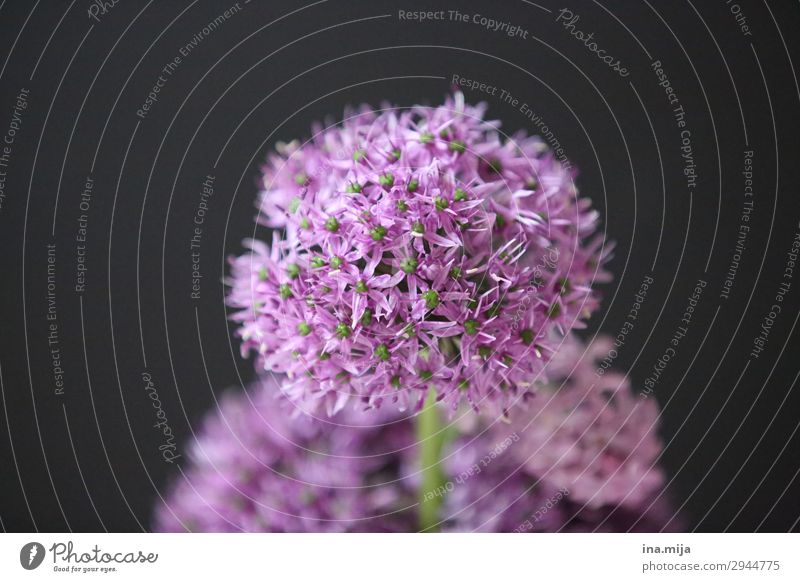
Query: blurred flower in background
x,y
585,450
255,466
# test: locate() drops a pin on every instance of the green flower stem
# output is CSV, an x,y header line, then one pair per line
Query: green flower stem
x,y
430,436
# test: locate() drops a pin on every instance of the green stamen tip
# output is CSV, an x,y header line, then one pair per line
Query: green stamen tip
x,y
293,270
366,318
471,327
301,179
441,202
554,311
527,336
382,352
418,228
263,274
431,298
484,352
378,233
358,155
463,385
317,262
396,153
361,287
409,265
343,330
324,356
496,166
426,374
402,206
395,381
459,195
285,291
303,328
336,262
353,188
426,137
455,272
386,180
332,224
457,146
413,186
294,205
564,286
304,223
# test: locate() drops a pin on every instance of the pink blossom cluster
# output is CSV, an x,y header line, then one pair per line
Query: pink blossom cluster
x,y
416,250
591,434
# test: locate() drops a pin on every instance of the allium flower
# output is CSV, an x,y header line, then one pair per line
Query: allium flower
x,y
590,434
504,497
418,250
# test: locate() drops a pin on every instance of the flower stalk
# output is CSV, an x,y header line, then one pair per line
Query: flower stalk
x,y
430,439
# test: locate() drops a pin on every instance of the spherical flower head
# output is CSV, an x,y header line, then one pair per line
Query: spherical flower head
x,y
490,491
419,250
590,433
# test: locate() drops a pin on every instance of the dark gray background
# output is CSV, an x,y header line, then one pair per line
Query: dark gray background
x,y
732,440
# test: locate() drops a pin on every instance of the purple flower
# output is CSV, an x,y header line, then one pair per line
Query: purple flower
x,y
591,433
419,250
504,497
255,468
